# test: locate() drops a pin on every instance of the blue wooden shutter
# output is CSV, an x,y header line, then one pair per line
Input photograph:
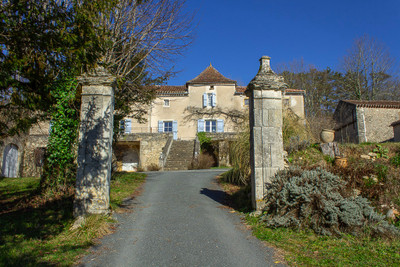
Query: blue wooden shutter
x,y
128,126
214,99
160,126
205,99
200,126
175,129
220,126
50,126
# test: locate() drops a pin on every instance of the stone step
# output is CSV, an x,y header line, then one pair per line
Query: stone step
x,y
180,155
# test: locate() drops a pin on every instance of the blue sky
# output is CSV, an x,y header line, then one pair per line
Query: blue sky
x,y
234,34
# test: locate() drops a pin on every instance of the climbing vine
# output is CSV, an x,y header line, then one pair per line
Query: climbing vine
x,y
60,165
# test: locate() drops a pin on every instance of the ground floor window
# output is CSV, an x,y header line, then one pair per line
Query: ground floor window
x,y
168,127
211,126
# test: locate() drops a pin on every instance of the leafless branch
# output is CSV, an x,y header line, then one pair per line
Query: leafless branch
x,y
236,116
151,33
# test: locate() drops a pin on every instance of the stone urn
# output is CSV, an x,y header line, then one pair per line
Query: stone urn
x,y
327,135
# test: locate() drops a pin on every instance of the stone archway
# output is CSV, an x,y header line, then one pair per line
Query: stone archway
x,y
10,161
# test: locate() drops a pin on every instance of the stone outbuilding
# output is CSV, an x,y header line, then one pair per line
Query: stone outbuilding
x,y
359,121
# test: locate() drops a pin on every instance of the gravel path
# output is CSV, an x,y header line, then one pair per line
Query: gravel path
x,y
179,221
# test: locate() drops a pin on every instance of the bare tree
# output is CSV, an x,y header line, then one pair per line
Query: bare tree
x,y
369,71
146,35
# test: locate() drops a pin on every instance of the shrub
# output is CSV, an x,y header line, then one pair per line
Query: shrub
x,y
396,160
204,161
316,199
296,133
153,167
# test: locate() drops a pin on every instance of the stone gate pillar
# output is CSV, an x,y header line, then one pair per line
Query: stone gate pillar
x,y
266,142
92,194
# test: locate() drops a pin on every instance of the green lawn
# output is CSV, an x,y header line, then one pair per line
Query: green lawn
x,y
40,234
303,248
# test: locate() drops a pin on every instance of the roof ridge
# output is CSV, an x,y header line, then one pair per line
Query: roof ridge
x,y
210,75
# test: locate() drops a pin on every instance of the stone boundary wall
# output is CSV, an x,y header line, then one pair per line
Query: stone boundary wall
x,y
150,147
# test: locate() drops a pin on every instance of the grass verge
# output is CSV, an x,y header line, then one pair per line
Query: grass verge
x,y
38,232
305,248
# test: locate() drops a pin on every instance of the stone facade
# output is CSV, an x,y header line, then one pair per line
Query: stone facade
x,y
266,142
365,121
35,148
206,103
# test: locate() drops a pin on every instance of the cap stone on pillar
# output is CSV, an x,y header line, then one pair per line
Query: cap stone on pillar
x,y
266,78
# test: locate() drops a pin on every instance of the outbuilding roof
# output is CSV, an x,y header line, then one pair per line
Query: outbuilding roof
x,y
374,103
210,76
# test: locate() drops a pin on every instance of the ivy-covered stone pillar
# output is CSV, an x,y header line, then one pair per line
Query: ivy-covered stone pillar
x,y
266,142
92,194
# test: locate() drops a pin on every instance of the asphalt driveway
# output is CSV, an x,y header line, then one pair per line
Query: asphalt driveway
x,y
179,220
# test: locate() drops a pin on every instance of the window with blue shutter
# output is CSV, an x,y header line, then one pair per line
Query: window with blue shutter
x,y
167,126
50,126
220,126
175,129
160,126
213,100
205,100
211,126
128,126
200,125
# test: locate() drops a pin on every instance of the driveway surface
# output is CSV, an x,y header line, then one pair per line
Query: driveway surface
x,y
179,220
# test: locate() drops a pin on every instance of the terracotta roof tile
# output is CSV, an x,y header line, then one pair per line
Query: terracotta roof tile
x,y
374,103
171,90
240,89
210,76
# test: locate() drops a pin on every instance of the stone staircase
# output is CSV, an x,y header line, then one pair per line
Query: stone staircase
x,y
180,155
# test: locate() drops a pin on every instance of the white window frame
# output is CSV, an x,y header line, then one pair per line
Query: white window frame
x,y
211,125
169,127
209,100
167,103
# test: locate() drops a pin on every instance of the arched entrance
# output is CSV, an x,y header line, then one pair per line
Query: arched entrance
x,y
10,161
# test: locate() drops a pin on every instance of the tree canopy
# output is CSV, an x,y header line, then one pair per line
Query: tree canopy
x,y
38,41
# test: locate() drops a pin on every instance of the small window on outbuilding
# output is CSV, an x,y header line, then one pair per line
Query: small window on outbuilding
x,y
246,101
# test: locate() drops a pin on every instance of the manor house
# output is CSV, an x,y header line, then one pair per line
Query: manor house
x,y
210,103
